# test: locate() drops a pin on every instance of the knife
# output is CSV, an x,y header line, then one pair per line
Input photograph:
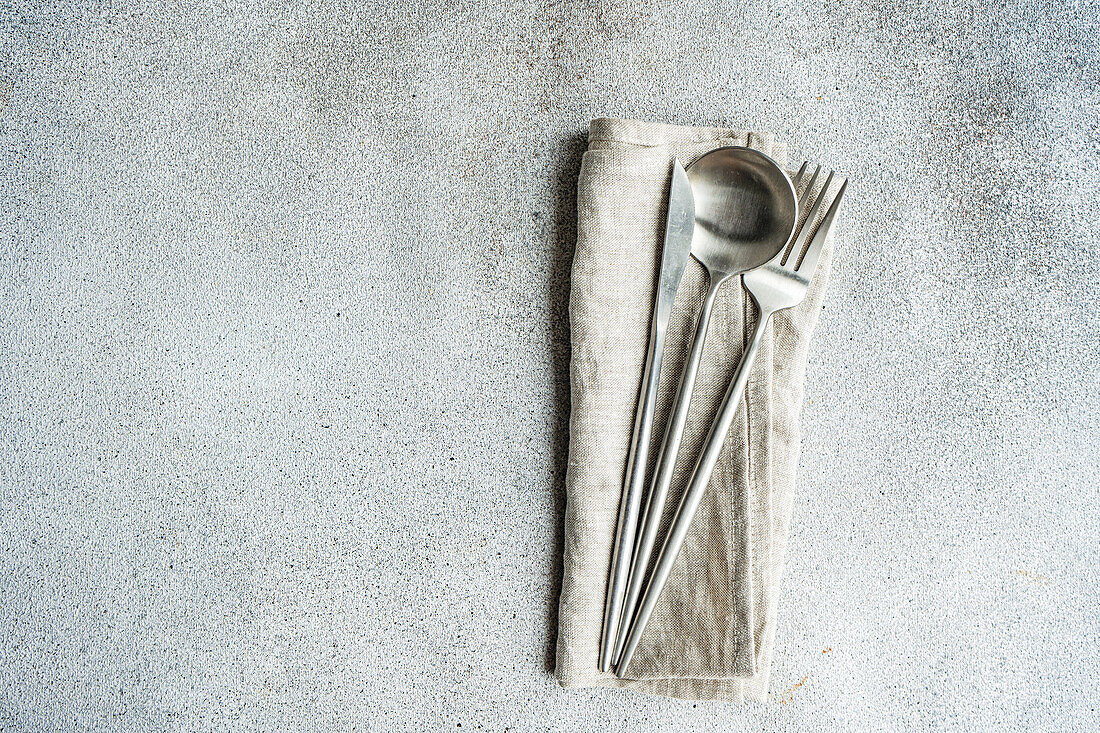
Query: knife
x,y
679,226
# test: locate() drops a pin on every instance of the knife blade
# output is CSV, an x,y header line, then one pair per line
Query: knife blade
x,y
679,227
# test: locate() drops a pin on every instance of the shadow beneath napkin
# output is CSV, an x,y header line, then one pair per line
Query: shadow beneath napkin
x,y
565,167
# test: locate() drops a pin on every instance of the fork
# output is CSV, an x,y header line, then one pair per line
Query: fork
x,y
780,283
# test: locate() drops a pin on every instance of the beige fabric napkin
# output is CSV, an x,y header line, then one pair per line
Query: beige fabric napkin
x,y
703,641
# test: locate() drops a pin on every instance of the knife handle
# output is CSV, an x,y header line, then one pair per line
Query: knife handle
x,y
631,500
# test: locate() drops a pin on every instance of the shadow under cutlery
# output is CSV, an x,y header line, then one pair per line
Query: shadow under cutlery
x,y
565,167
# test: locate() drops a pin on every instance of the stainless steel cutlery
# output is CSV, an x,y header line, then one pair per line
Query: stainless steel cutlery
x,y
748,219
745,212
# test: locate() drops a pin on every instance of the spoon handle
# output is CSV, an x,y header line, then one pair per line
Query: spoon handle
x,y
693,495
666,461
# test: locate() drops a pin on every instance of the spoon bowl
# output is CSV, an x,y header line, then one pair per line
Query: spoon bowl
x,y
745,210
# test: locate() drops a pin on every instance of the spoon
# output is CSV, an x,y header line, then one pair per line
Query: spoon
x,y
745,213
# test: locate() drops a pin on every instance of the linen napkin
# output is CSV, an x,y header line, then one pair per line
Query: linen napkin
x,y
705,640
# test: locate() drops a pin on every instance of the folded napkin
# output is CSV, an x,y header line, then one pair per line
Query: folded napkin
x,y
705,640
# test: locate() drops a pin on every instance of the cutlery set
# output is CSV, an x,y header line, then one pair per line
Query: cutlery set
x,y
737,213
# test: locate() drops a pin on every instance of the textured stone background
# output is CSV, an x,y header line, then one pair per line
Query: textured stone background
x,y
283,343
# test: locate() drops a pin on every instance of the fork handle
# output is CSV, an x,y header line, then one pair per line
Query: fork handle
x,y
693,496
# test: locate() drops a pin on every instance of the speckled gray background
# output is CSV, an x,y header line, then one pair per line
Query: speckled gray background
x,y
283,343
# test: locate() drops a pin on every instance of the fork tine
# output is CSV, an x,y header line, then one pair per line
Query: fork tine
x,y
808,263
805,220
804,200
797,178
817,204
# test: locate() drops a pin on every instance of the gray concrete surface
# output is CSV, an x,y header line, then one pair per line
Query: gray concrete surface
x,y
283,358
